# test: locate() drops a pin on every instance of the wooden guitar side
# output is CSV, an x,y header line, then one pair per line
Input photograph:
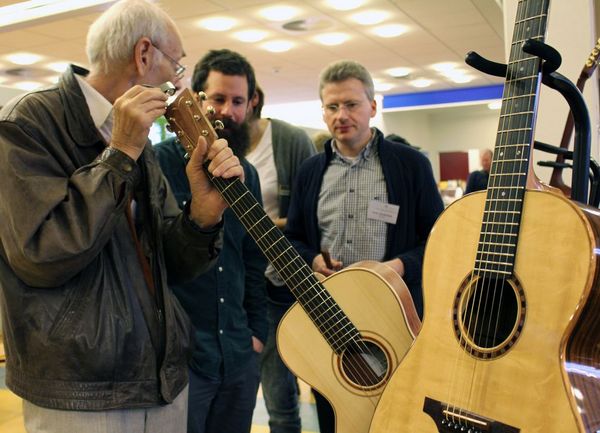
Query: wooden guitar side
x,y
381,308
527,387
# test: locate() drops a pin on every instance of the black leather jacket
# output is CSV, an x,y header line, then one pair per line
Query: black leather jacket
x,y
82,331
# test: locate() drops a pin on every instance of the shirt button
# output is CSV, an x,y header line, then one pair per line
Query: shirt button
x,y
222,300
127,167
350,216
349,241
351,189
220,331
220,269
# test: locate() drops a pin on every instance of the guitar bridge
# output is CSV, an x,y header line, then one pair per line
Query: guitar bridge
x,y
452,420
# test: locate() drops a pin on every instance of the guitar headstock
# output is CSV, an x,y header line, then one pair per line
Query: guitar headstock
x,y
186,119
592,61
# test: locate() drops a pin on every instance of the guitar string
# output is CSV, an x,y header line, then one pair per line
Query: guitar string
x,y
513,136
515,187
359,371
529,68
479,286
223,186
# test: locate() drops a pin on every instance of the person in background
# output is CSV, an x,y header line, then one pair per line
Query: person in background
x,y
277,149
320,138
90,232
227,305
364,197
478,180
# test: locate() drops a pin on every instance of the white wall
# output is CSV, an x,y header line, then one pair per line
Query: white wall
x,y
461,128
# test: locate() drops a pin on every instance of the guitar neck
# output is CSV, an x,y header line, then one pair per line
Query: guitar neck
x,y
316,301
508,174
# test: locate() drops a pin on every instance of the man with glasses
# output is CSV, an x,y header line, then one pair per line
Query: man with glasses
x,y
90,232
364,197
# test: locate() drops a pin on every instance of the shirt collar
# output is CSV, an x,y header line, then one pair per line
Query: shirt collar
x,y
369,150
99,106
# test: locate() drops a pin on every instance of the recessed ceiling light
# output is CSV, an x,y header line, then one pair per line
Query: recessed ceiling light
x,y
332,38
399,72
23,58
279,13
27,85
218,24
444,66
495,105
368,18
250,35
277,46
421,82
58,66
383,86
345,5
460,79
390,30
34,9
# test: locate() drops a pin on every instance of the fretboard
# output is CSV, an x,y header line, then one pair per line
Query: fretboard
x,y
316,301
508,174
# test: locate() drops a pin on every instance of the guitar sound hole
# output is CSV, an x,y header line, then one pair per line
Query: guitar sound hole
x,y
365,364
489,315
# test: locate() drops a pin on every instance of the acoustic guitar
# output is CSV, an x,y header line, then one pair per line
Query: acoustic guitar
x,y
511,332
556,179
345,335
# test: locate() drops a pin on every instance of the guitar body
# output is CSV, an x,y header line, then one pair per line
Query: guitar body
x,y
526,386
382,310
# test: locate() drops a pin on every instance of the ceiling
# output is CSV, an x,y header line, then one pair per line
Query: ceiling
x,y
438,31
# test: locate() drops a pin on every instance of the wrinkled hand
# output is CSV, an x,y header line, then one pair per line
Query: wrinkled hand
x,y
207,204
319,265
133,114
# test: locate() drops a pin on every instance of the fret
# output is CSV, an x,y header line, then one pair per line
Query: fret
x,y
504,187
501,223
493,270
245,213
233,203
490,253
530,19
258,239
517,114
495,244
485,233
507,200
254,225
521,78
507,174
508,146
502,212
489,262
510,98
501,131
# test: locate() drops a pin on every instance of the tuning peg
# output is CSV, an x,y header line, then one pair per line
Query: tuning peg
x,y
189,102
219,125
202,96
210,110
168,128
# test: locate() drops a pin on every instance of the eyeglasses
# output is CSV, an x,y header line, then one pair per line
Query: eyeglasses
x,y
350,107
179,68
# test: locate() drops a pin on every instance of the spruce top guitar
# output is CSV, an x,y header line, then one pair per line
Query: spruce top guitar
x,y
511,324
591,63
344,336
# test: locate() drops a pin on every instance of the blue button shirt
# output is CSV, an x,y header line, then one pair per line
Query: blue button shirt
x,y
227,304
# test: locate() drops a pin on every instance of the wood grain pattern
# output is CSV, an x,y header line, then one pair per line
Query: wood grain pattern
x,y
528,386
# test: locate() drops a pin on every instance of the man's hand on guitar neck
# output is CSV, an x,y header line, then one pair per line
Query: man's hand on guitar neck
x,y
208,205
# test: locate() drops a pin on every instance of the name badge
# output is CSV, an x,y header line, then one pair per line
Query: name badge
x,y
380,211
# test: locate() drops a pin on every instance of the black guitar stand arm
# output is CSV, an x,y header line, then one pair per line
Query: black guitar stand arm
x,y
551,61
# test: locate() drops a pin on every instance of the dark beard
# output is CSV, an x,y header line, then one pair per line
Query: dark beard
x,y
237,136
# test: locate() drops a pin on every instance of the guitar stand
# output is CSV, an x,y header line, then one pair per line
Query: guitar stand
x,y
551,61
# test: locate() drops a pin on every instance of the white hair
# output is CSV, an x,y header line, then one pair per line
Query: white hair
x,y
112,37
